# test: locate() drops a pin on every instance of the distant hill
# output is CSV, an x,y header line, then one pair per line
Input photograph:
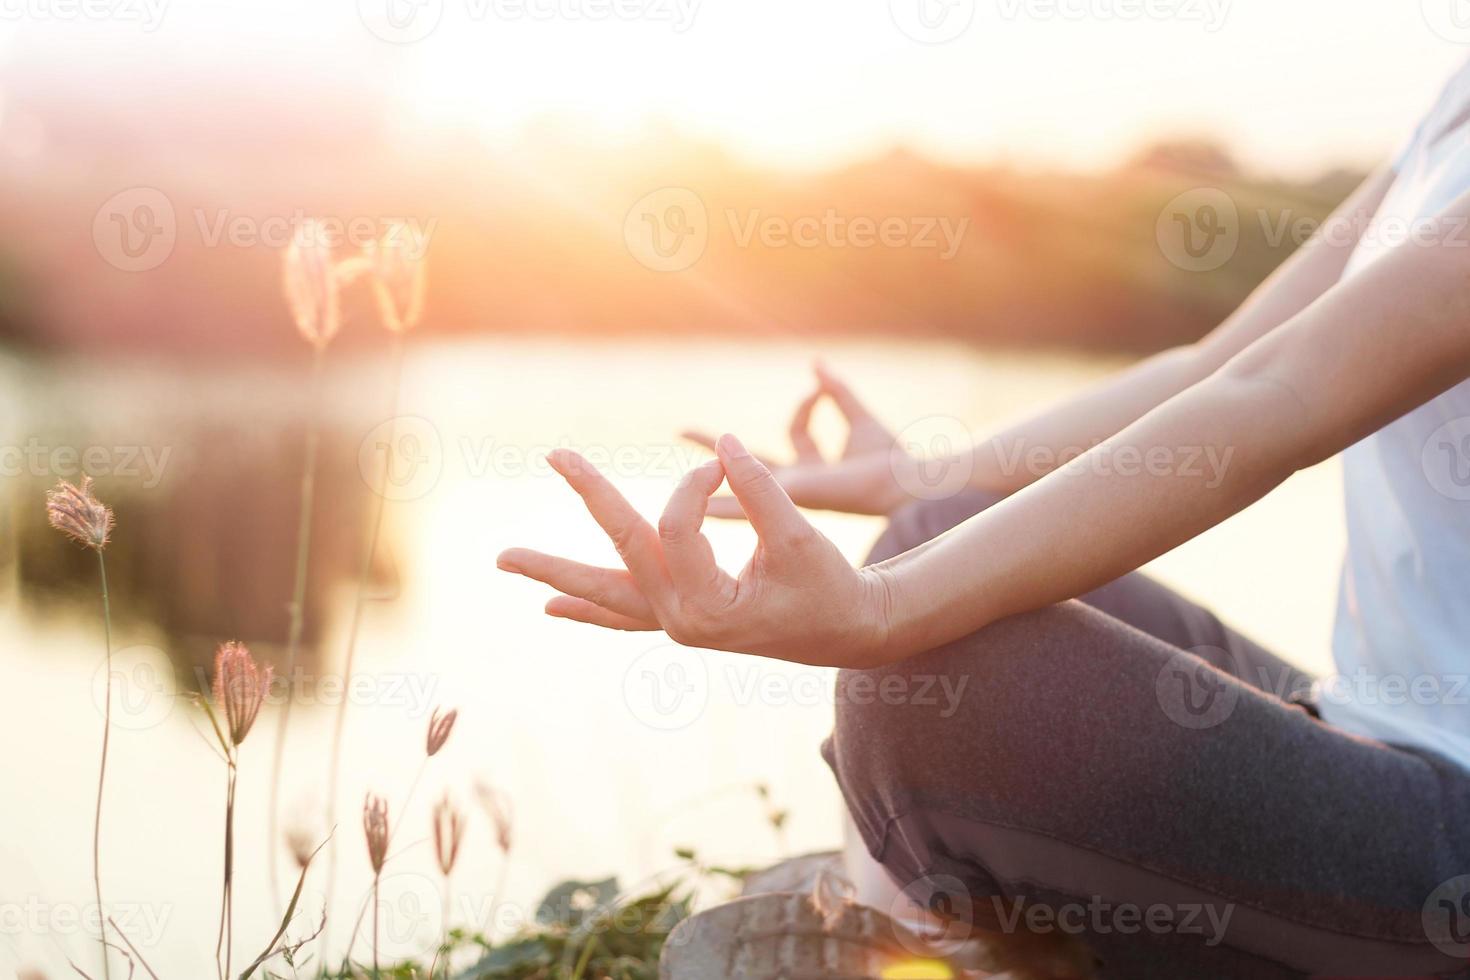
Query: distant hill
x,y
544,237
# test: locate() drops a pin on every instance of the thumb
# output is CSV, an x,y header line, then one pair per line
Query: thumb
x,y
774,517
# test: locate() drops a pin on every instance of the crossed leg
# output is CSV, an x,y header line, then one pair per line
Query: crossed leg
x,y
1127,769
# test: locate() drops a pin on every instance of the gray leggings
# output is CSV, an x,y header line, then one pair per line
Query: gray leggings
x,y
1127,770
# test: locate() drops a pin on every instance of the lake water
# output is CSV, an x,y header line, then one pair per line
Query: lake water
x,y
607,777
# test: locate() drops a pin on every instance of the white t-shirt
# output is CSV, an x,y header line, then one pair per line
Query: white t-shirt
x,y
1402,636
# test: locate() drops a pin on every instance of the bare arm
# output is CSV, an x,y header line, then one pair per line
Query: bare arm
x,y
1358,357
1363,354
1069,428
876,475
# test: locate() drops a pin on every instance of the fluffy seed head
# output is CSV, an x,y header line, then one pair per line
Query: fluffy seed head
x,y
375,829
311,283
448,833
397,260
439,728
77,513
240,687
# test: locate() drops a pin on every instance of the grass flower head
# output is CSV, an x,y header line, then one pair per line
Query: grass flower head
x,y
375,829
240,686
397,260
448,834
439,728
311,283
77,513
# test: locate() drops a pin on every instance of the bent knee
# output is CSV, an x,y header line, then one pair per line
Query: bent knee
x,y
1006,723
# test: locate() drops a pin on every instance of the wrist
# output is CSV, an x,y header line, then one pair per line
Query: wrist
x,y
876,645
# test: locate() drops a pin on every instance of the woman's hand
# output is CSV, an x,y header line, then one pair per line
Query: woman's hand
x,y
868,478
798,599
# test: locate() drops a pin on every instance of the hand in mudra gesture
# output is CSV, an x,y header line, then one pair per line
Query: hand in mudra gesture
x,y
797,599
867,478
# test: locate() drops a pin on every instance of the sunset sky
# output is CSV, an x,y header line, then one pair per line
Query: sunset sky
x,y
1293,86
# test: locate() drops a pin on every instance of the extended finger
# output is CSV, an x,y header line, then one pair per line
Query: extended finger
x,y
687,553
582,611
801,430
614,588
635,538
774,517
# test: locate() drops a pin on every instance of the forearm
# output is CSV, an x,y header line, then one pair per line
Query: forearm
x,y
1024,453
1361,356
1173,474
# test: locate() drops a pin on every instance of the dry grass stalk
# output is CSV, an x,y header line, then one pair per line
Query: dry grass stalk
x,y
77,513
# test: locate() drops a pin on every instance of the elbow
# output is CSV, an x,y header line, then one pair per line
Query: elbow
x,y
1270,419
